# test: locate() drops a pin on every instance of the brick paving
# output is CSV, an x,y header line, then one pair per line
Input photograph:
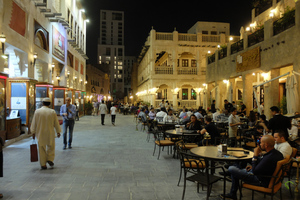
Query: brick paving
x,y
106,162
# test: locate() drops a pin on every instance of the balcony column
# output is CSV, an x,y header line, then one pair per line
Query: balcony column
x,y
248,92
174,61
174,93
268,29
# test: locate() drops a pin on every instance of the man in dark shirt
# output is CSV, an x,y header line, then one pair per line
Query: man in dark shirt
x,y
211,129
227,105
264,166
243,108
279,122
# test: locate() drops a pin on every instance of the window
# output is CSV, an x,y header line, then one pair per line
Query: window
x,y
120,80
185,94
222,32
103,15
108,51
119,76
120,52
185,62
193,95
178,62
120,63
194,63
166,93
205,32
213,32
120,67
117,16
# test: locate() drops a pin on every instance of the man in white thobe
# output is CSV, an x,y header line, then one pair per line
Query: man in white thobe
x,y
43,123
103,110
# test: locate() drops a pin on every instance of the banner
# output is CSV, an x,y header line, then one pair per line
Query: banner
x,y
248,60
58,45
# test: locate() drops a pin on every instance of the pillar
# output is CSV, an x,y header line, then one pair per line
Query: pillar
x,y
175,104
198,99
271,93
248,92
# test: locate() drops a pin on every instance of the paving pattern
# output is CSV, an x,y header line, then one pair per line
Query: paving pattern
x,y
106,162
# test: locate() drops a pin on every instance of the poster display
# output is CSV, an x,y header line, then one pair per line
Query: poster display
x,y
18,99
58,44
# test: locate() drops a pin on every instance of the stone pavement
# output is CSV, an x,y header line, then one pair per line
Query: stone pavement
x,y
106,162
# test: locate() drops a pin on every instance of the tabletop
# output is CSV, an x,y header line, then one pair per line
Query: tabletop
x,y
183,132
212,153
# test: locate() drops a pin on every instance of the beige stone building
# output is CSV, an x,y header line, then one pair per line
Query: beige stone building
x,y
98,84
44,53
172,66
259,67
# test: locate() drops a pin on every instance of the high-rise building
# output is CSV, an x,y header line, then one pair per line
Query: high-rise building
x,y
111,49
128,64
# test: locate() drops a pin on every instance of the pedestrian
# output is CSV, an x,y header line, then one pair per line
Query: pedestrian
x,y
68,112
113,110
103,110
233,122
43,124
77,111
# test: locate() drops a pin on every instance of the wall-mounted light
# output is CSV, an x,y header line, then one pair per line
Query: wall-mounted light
x,y
208,52
87,20
204,84
75,77
253,74
85,82
53,66
218,46
248,29
82,10
272,13
225,81
2,40
35,55
230,38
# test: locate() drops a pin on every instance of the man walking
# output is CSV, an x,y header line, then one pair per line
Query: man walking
x,y
103,110
43,123
68,112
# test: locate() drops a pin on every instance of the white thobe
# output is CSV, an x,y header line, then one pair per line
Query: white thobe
x,y
43,123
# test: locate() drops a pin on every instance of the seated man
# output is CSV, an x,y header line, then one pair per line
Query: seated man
x,y
198,114
281,144
161,114
142,115
183,114
169,117
211,129
223,117
264,166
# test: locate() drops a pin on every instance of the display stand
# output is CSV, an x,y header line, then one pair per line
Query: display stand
x,y
43,90
58,98
21,97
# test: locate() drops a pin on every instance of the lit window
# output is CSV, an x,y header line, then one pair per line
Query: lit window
x,y
120,67
115,75
108,58
119,76
120,63
115,67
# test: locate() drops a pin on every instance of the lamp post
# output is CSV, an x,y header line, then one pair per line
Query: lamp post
x,y
35,55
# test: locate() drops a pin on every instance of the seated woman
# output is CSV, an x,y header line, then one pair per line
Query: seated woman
x,y
252,120
194,124
263,122
169,117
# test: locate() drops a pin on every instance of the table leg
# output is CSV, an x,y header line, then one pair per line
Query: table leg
x,y
297,178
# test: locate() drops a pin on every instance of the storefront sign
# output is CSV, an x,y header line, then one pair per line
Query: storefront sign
x,y
248,60
58,44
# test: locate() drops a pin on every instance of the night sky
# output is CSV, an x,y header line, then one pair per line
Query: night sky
x,y
164,16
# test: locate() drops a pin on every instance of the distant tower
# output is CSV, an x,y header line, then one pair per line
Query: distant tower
x,y
111,49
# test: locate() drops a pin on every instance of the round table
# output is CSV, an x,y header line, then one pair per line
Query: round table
x,y
182,133
212,153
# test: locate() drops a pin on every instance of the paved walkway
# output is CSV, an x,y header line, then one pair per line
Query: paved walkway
x,y
106,162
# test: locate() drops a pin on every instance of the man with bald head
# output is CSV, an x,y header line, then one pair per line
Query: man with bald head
x,y
261,166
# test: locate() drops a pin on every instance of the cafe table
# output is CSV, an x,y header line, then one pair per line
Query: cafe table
x,y
233,154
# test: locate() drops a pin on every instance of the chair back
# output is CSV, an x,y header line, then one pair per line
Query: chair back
x,y
278,175
294,152
159,119
191,163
